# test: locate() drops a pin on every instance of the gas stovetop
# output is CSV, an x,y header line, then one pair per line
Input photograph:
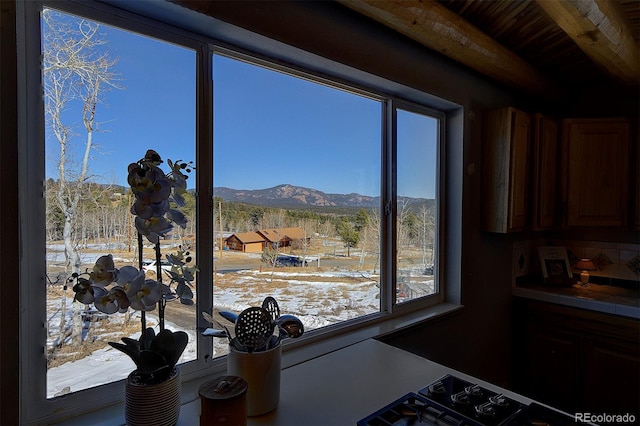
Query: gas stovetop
x,y
454,401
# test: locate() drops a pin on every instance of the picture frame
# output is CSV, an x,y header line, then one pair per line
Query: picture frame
x,y
555,264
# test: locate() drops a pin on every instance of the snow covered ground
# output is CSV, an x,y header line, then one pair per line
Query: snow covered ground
x,y
317,298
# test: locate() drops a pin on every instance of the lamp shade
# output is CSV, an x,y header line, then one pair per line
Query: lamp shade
x,y
585,265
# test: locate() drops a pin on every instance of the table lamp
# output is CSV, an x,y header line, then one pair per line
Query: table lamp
x,y
585,265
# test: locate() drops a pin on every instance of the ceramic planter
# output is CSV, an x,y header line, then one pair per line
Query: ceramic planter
x,y
152,404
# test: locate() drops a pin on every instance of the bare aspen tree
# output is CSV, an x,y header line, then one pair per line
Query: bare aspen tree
x,y
327,231
402,215
371,237
304,243
427,220
77,71
273,219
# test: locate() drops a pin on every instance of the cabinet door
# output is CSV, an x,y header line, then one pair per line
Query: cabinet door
x,y
611,376
554,359
519,171
596,156
505,170
546,153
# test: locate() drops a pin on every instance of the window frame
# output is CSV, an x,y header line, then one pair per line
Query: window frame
x,y
31,173
31,179
438,297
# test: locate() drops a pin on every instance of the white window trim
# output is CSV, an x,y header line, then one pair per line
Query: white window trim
x,y
31,172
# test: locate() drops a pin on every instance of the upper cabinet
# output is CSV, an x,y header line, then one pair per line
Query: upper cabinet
x,y
505,170
595,159
546,156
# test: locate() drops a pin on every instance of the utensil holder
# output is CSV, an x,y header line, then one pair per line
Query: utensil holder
x,y
261,370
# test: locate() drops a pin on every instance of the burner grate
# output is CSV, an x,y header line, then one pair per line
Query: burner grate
x,y
472,401
414,409
448,401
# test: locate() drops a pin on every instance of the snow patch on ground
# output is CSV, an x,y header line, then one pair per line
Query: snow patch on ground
x,y
356,294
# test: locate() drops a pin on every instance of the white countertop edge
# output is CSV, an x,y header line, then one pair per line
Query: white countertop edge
x,y
576,302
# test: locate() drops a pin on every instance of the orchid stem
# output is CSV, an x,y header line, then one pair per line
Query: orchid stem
x,y
143,316
159,275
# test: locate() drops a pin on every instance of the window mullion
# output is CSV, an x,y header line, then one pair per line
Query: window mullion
x,y
388,209
204,194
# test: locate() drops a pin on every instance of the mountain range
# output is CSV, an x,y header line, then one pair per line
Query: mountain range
x,y
287,195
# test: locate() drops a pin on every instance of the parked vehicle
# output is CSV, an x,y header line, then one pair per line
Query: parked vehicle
x,y
289,260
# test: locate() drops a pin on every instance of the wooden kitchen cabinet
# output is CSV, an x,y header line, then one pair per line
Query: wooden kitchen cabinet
x,y
595,157
607,359
545,182
552,358
575,359
506,143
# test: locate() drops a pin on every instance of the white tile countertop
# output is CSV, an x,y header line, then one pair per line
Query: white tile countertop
x,y
347,385
594,297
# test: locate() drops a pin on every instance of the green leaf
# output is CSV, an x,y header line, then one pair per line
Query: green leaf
x,y
151,361
147,338
131,352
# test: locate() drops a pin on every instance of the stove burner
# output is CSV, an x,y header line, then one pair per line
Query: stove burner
x,y
499,400
461,398
485,410
474,390
437,388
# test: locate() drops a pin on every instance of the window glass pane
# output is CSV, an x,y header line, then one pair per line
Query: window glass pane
x,y
110,95
417,142
296,186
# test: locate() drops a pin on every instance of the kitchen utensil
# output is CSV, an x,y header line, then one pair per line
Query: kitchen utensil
x,y
271,305
230,332
237,346
214,332
229,316
291,325
216,319
207,316
254,327
273,341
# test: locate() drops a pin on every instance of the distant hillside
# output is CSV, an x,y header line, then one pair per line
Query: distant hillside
x,y
295,197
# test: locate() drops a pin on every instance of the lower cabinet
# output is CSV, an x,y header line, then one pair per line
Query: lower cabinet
x,y
613,372
576,360
553,370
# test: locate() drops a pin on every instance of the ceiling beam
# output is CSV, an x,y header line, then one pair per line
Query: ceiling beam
x,y
440,29
599,29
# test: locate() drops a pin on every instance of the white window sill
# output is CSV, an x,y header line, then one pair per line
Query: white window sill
x,y
293,353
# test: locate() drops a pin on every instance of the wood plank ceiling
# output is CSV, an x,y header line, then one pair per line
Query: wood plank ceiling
x,y
530,45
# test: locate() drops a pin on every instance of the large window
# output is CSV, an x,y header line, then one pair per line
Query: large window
x,y
324,195
297,186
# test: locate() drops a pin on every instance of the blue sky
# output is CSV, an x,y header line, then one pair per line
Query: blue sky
x,y
269,128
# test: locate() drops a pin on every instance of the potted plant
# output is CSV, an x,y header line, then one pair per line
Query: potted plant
x,y
152,392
